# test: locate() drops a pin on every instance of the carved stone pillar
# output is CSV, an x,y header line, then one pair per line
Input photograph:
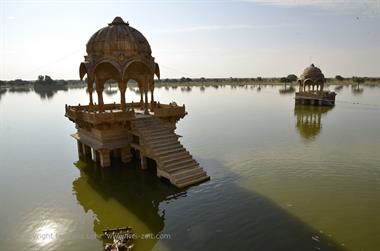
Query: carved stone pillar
x,y
80,148
126,155
146,111
141,98
151,96
143,161
86,151
105,157
122,88
90,89
99,91
95,156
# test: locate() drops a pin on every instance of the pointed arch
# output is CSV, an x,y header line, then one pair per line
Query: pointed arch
x,y
108,69
82,71
136,67
157,70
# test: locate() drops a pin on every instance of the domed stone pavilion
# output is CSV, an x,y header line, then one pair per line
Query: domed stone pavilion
x,y
119,130
311,88
121,53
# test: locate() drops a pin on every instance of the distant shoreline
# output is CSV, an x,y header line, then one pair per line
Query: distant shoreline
x,y
70,84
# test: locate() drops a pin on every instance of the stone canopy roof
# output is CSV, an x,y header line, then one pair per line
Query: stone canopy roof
x,y
312,73
121,46
116,38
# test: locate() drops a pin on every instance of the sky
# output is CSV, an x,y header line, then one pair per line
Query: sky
x,y
212,39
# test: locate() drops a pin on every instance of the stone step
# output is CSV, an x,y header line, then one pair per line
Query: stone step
x,y
161,135
163,144
180,165
173,155
174,150
143,124
159,142
166,149
190,176
186,172
176,159
191,181
158,133
150,131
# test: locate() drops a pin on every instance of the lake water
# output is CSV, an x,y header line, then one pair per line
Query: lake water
x,y
282,178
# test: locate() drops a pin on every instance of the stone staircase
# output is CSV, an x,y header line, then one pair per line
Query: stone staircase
x,y
160,143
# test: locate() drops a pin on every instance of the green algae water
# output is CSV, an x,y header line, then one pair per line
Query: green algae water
x,y
282,177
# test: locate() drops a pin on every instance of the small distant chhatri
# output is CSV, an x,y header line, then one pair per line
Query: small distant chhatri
x,y
310,88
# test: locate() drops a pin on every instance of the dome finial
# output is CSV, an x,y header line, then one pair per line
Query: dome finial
x,y
118,21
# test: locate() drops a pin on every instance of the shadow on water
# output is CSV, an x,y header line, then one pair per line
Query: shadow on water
x,y
309,120
221,215
137,193
216,215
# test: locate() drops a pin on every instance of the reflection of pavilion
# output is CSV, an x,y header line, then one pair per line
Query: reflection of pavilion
x,y
123,197
308,120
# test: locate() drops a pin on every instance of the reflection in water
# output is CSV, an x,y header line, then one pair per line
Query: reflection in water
x,y
308,120
110,92
287,90
2,92
20,89
338,88
185,89
122,197
47,92
356,90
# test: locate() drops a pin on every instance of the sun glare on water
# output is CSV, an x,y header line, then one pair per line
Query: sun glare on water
x,y
46,234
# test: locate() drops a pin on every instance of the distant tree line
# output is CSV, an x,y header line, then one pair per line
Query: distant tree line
x,y
45,80
289,79
41,80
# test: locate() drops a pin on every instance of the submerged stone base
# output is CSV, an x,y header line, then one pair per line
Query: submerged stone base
x,y
103,136
318,98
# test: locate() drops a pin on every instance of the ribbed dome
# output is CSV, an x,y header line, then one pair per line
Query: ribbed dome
x,y
118,39
313,73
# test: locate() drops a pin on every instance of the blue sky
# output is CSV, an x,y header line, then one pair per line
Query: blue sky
x,y
269,38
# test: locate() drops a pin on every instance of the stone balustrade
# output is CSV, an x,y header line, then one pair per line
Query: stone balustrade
x,y
113,113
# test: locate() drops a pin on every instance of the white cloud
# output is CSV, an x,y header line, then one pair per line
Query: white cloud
x,y
371,7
